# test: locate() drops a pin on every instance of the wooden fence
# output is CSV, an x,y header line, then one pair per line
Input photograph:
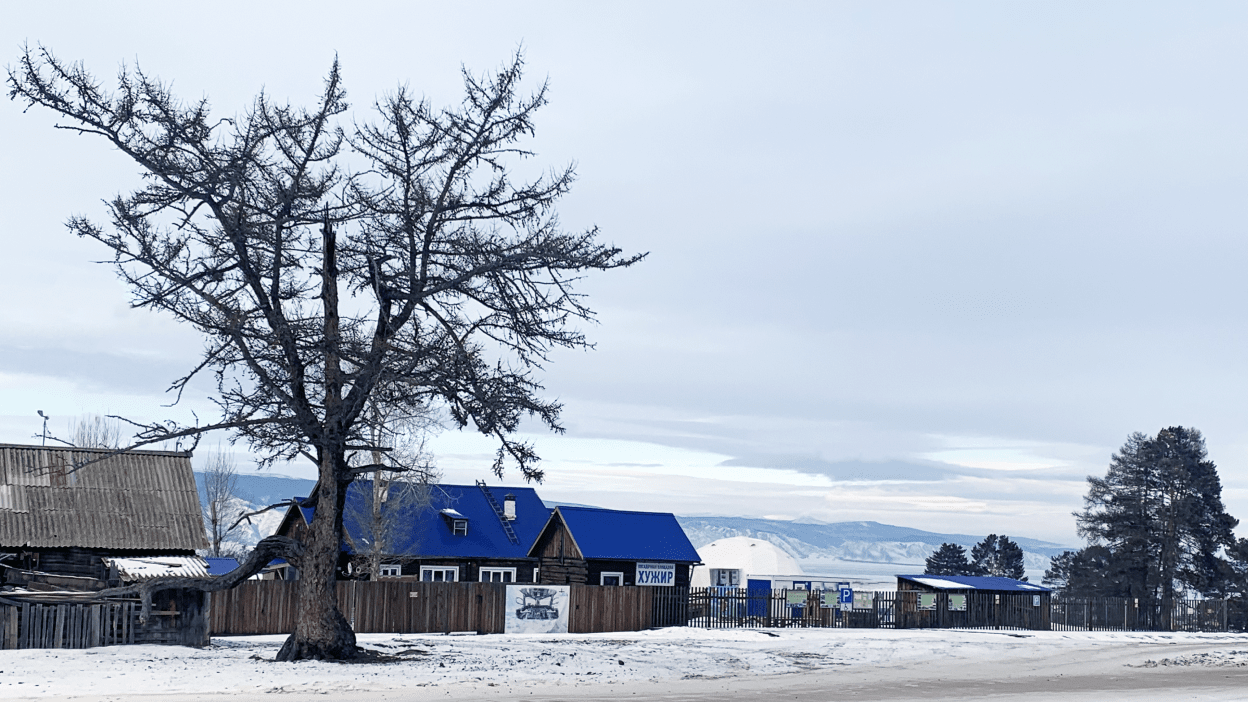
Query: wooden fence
x,y
66,625
60,620
408,607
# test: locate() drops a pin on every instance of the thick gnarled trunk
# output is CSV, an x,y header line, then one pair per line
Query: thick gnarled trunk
x,y
321,632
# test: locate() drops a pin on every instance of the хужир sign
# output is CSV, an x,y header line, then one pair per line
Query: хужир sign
x,y
656,574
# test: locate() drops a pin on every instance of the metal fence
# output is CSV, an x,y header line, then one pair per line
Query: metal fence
x,y
1131,614
721,608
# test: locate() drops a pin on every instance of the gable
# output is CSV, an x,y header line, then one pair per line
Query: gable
x,y
628,536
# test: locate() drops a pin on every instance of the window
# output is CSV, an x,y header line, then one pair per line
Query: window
x,y
537,575
611,579
726,577
456,521
391,570
439,574
498,575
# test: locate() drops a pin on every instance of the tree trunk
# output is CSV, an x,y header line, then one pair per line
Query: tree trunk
x,y
321,632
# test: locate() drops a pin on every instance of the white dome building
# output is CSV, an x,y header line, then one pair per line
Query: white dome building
x,y
729,562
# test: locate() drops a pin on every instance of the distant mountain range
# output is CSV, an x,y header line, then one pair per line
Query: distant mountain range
x,y
816,546
821,547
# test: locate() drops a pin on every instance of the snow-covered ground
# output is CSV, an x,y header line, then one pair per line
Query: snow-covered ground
x,y
588,665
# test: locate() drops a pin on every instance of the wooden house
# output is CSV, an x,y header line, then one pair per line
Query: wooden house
x,y
947,601
592,546
462,533
64,518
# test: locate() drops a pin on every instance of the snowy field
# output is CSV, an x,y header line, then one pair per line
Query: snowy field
x,y
678,663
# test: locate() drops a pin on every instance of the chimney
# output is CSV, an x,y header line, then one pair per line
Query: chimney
x,y
509,506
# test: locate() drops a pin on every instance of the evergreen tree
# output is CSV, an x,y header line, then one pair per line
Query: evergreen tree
x,y
998,556
1057,575
1158,512
949,559
1088,572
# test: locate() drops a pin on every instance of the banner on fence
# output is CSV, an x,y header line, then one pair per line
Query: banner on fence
x,y
537,610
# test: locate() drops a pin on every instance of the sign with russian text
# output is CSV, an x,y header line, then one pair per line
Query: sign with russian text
x,y
656,574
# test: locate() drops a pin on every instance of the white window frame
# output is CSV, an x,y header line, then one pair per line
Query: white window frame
x,y
453,570
732,576
459,527
602,579
537,572
497,571
390,570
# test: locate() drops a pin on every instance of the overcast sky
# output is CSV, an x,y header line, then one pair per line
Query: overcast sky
x,y
922,263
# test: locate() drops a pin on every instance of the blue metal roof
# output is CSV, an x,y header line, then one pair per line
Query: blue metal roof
x,y
220,566
628,536
427,534
974,582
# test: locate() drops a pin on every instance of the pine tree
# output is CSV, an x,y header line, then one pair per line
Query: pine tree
x,y
949,559
1158,511
998,556
1089,572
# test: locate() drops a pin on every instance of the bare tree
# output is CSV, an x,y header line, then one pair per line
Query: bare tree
x,y
221,503
428,275
396,488
94,431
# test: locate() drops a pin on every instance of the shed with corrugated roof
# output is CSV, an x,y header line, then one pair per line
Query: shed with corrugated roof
x,y
64,510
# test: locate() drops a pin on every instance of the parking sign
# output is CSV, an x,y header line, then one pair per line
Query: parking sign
x,y
846,598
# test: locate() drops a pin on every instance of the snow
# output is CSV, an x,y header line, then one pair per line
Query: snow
x,y
131,569
244,666
939,582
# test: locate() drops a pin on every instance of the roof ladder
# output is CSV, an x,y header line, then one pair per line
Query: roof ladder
x,y
498,510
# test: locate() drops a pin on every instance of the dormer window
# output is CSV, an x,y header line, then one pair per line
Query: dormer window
x,y
456,521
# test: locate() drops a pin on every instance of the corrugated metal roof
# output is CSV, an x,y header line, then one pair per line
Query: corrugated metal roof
x,y
973,582
135,569
428,535
628,536
143,500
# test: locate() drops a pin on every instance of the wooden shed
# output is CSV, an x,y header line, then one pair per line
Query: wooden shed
x,y
970,601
